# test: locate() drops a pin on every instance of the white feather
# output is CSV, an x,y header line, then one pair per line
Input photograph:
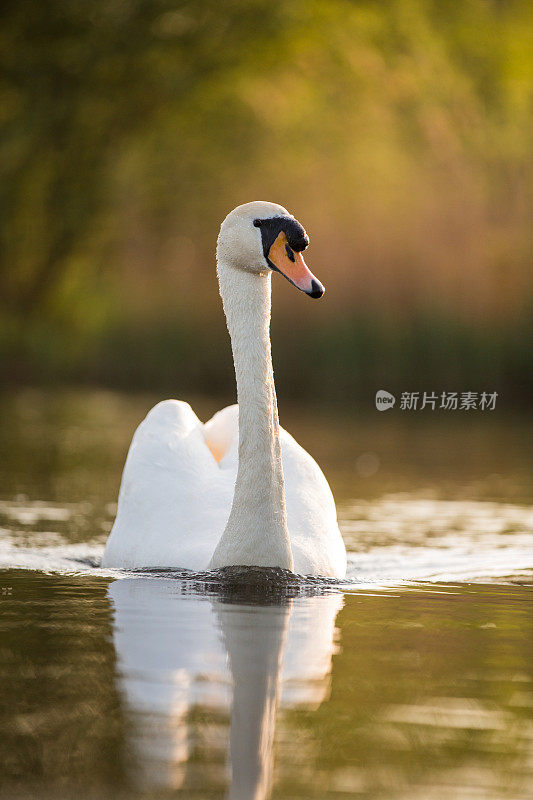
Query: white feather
x,y
238,490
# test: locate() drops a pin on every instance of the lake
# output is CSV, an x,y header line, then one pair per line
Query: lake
x,y
414,679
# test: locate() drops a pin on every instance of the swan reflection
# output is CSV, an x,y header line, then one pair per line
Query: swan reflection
x,y
185,660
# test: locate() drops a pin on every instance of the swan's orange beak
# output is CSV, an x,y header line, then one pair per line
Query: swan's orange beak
x,y
293,267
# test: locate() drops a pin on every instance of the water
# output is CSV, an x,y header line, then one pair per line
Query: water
x,y
412,680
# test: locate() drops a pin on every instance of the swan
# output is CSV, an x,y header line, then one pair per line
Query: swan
x,y
238,490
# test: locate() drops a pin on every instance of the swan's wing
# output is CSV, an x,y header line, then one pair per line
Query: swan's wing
x,y
174,499
222,435
317,545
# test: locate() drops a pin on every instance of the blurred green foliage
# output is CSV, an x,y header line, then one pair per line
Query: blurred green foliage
x,y
400,134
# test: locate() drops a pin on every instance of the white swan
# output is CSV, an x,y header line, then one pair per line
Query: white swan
x,y
238,490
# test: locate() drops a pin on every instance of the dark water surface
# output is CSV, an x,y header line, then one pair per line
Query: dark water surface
x,y
414,681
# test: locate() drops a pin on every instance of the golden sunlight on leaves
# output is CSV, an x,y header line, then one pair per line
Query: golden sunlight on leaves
x,y
399,133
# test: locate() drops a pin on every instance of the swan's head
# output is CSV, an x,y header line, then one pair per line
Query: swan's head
x,y
261,237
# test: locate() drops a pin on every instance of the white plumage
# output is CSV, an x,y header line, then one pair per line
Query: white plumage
x,y
238,490
175,498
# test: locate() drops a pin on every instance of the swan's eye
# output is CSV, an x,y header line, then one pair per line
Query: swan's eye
x,y
257,223
289,253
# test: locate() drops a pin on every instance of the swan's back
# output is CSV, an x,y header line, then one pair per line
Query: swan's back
x,y
177,489
174,499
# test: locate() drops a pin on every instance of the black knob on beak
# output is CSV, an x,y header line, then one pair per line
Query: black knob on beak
x,y
317,290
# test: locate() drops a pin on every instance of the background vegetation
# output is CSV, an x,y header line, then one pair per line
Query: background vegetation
x,y
399,132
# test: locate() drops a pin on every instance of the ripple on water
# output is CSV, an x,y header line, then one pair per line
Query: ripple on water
x,y
396,538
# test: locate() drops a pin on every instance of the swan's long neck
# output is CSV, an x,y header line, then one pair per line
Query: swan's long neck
x,y
256,533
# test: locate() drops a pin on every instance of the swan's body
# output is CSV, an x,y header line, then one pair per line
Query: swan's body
x,y
239,490
175,498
